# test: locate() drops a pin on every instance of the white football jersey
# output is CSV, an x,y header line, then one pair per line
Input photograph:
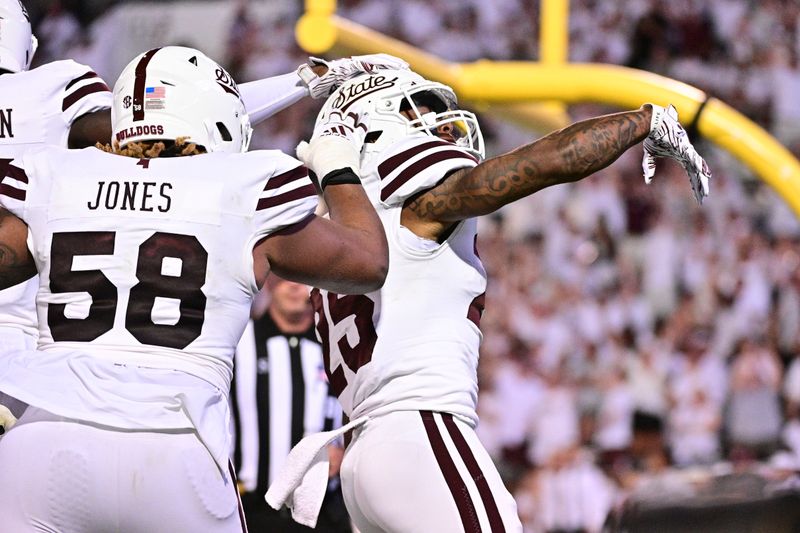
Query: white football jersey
x,y
38,107
146,279
413,344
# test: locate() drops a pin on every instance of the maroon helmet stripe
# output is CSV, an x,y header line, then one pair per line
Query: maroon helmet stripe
x,y
295,194
419,166
466,509
73,98
276,182
238,497
86,76
386,168
139,84
474,469
12,192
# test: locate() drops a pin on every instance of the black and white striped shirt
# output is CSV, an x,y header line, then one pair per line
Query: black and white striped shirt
x,y
279,394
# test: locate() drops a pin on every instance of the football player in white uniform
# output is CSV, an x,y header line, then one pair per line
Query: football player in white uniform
x,y
147,267
403,359
66,104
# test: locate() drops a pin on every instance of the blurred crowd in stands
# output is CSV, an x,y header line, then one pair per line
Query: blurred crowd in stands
x,y
634,342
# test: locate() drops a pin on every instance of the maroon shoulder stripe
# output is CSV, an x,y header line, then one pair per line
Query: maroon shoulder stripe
x,y
466,509
386,168
474,469
276,182
12,192
414,169
290,196
140,74
72,98
90,74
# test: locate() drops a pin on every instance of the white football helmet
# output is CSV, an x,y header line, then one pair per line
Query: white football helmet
x,y
386,94
17,42
174,92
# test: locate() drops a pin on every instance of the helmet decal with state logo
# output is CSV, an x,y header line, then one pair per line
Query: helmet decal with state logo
x,y
401,103
178,92
17,42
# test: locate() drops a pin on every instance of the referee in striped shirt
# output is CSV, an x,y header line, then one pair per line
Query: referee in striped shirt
x,y
279,395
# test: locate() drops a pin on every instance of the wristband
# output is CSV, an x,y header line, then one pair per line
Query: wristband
x,y
340,176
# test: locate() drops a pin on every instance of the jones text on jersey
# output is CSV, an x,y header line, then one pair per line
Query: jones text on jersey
x,y
132,196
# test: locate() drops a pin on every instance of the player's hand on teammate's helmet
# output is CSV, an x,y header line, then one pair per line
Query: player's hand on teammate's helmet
x,y
335,145
7,419
668,139
341,70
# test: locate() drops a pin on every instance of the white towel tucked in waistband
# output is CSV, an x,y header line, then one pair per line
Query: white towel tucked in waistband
x,y
303,480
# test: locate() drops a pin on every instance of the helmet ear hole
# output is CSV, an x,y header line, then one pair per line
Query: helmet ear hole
x,y
224,132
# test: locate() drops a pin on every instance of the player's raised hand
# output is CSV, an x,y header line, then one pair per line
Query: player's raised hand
x,y
7,419
668,139
341,70
335,145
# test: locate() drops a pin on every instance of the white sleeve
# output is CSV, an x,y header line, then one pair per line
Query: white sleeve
x,y
84,91
264,98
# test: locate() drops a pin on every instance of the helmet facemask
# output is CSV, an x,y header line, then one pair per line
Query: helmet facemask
x,y
435,111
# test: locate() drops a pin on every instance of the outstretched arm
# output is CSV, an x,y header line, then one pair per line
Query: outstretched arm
x,y
567,155
16,262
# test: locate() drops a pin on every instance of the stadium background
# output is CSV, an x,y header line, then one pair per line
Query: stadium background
x,y
641,355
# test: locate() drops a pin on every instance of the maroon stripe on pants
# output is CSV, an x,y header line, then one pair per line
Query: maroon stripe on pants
x,y
238,498
474,469
466,509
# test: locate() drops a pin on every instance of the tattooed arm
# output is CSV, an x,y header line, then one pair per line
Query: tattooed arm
x,y
563,156
16,262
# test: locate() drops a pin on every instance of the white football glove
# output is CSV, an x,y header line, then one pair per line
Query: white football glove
x,y
341,70
336,144
668,139
7,419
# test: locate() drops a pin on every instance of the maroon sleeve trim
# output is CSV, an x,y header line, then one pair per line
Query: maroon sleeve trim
x,y
296,194
388,166
419,166
73,98
12,192
276,182
86,76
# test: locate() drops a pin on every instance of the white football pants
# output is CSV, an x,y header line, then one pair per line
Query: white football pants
x,y
423,472
62,476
